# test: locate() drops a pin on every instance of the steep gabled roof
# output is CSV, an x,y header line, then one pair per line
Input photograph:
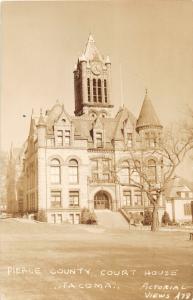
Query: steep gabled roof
x,y
148,116
123,115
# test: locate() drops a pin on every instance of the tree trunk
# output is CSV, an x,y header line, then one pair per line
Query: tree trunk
x,y
155,219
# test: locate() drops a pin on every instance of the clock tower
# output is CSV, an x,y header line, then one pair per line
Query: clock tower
x,y
92,82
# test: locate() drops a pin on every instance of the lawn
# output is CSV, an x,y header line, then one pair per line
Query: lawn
x,y
79,262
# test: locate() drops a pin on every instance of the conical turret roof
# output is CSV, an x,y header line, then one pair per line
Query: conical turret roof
x,y
147,116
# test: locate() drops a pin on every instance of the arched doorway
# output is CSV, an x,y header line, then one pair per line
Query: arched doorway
x,y
102,200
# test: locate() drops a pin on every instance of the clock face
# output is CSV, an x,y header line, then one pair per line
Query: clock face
x,y
96,68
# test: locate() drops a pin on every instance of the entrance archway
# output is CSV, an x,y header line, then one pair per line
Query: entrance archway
x,y
102,200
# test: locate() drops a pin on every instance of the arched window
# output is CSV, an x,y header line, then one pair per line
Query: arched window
x,y
99,91
73,171
94,90
152,174
135,174
55,171
125,173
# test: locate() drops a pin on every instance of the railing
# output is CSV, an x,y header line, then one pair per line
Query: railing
x,y
101,180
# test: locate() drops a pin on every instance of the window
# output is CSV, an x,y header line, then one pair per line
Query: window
x,y
73,171
77,219
125,173
73,198
67,137
150,138
55,199
55,171
94,165
135,174
105,90
127,198
94,90
129,140
138,198
187,209
60,138
99,140
50,142
88,88
105,170
99,91
152,170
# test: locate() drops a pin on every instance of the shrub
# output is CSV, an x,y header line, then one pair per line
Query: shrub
x,y
147,217
166,218
88,217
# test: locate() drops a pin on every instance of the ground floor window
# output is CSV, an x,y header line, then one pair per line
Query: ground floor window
x,y
138,198
187,209
56,218
74,218
127,198
74,198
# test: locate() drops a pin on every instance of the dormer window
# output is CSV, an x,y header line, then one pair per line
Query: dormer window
x,y
67,137
60,138
99,139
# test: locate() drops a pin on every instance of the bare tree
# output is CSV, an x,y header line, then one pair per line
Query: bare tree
x,y
176,142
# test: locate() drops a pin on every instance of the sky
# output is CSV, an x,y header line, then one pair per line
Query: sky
x,y
150,45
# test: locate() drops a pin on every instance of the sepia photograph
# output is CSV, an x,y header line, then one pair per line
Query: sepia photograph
x,y
96,150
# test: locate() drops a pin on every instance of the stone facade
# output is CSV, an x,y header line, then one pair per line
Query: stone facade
x,y
90,159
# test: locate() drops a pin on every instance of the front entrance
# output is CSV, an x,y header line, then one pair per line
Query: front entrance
x,y
102,200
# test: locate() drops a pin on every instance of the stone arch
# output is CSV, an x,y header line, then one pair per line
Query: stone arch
x,y
102,200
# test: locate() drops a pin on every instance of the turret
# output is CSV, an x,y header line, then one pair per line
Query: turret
x,y
148,125
41,131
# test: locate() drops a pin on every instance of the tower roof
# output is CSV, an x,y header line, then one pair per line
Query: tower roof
x,y
91,52
148,116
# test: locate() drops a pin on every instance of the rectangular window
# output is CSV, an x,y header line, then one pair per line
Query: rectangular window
x,y
55,199
55,174
74,198
71,218
94,165
53,218
127,198
187,209
67,137
59,218
129,140
73,176
77,219
124,175
99,140
138,198
60,138
105,176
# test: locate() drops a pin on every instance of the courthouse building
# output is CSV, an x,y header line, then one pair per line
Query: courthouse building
x,y
90,159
